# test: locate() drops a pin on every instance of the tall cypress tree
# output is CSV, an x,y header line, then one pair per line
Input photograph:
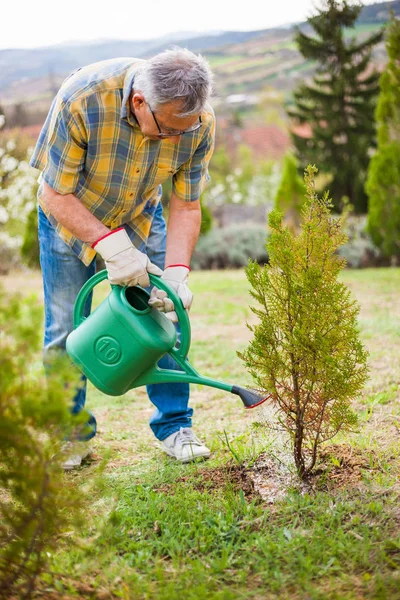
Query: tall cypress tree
x,y
339,103
383,183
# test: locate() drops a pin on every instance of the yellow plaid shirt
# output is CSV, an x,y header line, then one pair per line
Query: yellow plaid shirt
x,y
91,146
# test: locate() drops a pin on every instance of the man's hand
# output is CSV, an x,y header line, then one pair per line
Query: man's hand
x,y
176,276
124,263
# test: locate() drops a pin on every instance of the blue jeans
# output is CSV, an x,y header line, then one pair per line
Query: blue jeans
x,y
63,276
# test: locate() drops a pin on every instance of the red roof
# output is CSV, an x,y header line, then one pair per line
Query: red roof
x,y
266,141
304,130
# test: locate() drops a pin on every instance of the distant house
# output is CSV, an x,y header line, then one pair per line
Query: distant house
x,y
267,141
242,99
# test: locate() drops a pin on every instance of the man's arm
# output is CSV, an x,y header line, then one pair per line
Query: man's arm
x,y
69,211
183,230
185,211
125,264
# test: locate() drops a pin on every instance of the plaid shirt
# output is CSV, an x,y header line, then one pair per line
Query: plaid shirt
x,y
91,146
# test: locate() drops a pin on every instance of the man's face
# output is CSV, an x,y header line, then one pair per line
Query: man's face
x,y
168,123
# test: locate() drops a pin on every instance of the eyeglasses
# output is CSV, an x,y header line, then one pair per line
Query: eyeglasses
x,y
163,135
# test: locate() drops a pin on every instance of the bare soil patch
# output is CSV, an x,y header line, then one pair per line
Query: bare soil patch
x,y
340,466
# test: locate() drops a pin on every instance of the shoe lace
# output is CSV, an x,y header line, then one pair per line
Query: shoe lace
x,y
185,436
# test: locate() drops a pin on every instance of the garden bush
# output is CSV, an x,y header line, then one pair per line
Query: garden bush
x,y
30,245
10,252
359,250
290,195
231,247
206,219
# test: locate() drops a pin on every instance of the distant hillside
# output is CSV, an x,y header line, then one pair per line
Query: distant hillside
x,y
242,61
54,61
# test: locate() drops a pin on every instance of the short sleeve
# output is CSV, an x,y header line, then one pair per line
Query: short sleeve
x,y
61,148
193,177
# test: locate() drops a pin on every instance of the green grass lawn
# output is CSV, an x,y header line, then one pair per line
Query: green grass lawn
x,y
158,530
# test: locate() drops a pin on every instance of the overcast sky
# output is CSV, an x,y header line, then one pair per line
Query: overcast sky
x,y
35,23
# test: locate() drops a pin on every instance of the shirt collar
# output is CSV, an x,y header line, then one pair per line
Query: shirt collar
x,y
126,112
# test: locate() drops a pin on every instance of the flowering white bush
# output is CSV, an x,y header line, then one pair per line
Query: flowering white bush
x,y
251,183
18,186
17,199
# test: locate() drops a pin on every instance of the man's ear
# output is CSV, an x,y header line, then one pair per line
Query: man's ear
x,y
138,100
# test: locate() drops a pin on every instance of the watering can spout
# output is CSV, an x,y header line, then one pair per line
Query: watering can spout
x,y
250,399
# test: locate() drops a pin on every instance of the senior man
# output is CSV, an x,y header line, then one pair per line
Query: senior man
x,y
115,132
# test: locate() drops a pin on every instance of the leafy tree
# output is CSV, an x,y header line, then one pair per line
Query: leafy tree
x,y
383,184
290,195
305,350
339,103
37,501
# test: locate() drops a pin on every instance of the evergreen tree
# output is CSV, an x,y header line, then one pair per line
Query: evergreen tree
x,y
339,103
383,184
306,352
290,195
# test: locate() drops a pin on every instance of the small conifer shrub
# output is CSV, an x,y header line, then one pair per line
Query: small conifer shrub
x,y
306,350
37,501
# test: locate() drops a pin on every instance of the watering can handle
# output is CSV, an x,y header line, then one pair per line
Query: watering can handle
x,y
181,313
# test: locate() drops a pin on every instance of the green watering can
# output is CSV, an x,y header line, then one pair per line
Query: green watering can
x,y
120,343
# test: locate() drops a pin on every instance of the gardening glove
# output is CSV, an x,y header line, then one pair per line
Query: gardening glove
x,y
176,276
124,263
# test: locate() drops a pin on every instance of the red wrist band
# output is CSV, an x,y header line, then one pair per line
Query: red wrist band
x,y
104,236
186,267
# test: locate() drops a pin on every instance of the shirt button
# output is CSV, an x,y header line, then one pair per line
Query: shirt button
x,y
137,170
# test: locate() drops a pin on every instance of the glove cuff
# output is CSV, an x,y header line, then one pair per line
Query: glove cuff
x,y
104,236
113,243
176,273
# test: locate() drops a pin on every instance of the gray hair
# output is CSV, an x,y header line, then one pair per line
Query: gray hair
x,y
175,74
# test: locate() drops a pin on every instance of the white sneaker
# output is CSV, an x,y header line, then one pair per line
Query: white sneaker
x,y
185,446
80,451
